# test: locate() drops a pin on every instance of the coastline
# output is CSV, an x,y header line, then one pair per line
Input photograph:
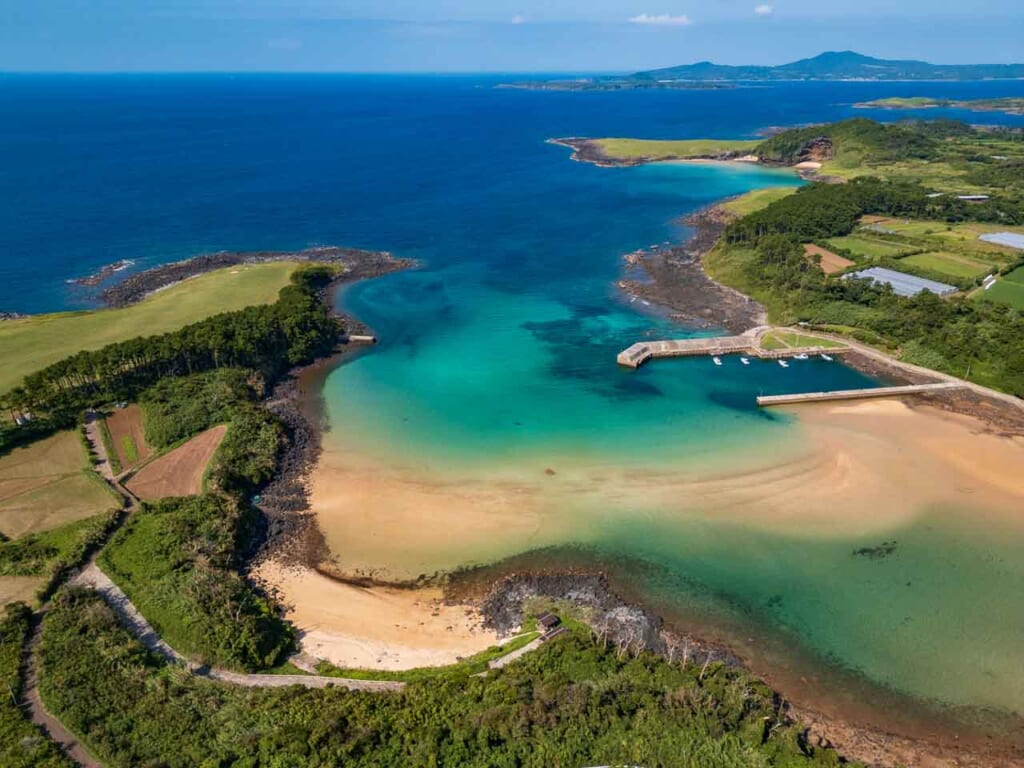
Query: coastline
x,y
355,264
588,151
873,744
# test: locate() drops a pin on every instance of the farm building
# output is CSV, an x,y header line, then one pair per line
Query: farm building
x,y
1009,239
903,284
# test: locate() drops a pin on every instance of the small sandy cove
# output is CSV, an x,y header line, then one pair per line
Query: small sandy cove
x,y
861,468
375,627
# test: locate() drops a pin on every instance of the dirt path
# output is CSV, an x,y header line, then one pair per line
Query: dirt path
x,y
54,728
93,423
92,576
51,726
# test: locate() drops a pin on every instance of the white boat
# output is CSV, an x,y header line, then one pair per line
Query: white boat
x,y
801,356
823,356
717,360
745,361
783,363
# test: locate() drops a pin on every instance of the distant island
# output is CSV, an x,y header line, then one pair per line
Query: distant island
x,y
832,65
1008,105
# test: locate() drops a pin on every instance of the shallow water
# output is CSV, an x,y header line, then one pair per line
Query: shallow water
x,y
496,360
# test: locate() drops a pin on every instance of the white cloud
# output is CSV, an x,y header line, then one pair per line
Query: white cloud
x,y
764,10
518,19
662,20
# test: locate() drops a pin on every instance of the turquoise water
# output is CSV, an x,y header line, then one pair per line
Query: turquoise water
x,y
497,356
511,351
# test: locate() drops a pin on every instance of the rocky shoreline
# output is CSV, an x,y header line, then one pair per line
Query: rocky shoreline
x,y
356,264
290,530
103,274
674,279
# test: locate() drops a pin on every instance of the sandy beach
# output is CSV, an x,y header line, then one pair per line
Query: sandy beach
x,y
375,628
863,468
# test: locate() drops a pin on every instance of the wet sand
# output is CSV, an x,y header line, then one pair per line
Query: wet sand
x,y
375,628
864,468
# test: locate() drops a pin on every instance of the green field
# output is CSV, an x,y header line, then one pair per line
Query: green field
x,y
756,200
629,149
948,264
1009,290
35,342
869,247
1004,292
1017,276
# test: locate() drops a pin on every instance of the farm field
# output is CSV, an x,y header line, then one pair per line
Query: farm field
x,y
830,262
31,343
45,485
949,264
1009,289
869,247
964,235
20,589
127,436
1004,292
179,472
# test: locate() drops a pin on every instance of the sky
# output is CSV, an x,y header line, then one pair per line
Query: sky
x,y
491,35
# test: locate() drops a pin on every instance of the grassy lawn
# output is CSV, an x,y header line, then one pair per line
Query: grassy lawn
x,y
627,149
45,485
1017,276
1004,292
949,264
791,339
868,247
33,343
756,200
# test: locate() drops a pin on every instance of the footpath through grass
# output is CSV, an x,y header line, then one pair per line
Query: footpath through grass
x,y
32,343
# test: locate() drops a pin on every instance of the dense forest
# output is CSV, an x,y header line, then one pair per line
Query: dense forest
x,y
268,340
570,704
762,254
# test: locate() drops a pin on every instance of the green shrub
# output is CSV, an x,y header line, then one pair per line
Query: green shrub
x,y
175,560
22,744
570,703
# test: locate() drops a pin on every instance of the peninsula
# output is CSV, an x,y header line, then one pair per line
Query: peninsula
x,y
939,202
831,65
1007,105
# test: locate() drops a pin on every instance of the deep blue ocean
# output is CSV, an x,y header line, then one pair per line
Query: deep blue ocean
x,y
497,356
160,167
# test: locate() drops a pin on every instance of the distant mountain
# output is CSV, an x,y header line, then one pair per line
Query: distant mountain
x,y
833,65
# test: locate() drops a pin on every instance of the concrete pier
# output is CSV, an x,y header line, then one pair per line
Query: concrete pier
x,y
745,344
854,394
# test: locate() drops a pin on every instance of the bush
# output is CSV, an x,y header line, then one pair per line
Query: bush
x,y
569,704
22,744
175,560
